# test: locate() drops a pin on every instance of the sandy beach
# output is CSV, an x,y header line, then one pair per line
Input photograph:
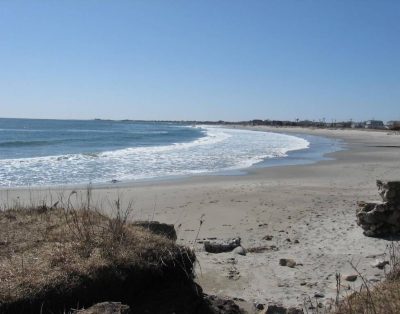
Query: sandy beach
x,y
308,212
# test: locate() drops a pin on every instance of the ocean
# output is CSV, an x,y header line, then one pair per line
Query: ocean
x,y
69,152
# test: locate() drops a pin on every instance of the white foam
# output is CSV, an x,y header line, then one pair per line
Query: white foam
x,y
213,136
220,149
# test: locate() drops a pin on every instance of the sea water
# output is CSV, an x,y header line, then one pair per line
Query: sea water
x,y
62,152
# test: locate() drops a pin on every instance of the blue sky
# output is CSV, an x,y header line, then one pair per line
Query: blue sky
x,y
230,60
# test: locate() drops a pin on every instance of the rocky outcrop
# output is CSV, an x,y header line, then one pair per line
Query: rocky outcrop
x,y
389,191
382,218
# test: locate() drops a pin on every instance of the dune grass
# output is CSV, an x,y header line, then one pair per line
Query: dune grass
x,y
53,255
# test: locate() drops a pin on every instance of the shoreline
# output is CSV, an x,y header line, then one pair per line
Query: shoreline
x,y
312,204
312,154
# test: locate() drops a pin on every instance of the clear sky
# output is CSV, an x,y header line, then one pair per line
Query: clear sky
x,y
230,60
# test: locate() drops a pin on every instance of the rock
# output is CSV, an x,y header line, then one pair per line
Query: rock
x,y
294,310
259,306
287,262
222,305
106,308
389,191
238,299
156,227
381,218
239,250
276,309
220,246
350,278
374,280
279,309
268,237
319,295
380,264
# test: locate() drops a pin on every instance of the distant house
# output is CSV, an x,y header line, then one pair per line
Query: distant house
x,y
374,124
393,125
358,125
305,123
338,125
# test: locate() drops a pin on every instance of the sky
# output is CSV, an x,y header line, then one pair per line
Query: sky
x,y
200,60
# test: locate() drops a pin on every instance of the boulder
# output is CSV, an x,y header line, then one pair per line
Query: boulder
x,y
220,246
156,227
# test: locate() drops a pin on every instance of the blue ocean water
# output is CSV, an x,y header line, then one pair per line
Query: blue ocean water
x,y
62,152
25,138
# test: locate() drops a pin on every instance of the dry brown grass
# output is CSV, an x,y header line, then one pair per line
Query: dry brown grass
x,y
52,251
381,298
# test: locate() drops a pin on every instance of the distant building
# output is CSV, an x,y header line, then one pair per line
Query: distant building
x,y
358,125
306,123
374,124
393,125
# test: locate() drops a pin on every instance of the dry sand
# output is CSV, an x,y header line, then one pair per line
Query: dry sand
x,y
313,204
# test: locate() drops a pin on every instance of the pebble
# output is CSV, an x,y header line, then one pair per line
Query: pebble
x,y
239,250
259,306
287,262
380,264
350,278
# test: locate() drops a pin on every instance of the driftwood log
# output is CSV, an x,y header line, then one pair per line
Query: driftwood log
x,y
220,246
106,308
